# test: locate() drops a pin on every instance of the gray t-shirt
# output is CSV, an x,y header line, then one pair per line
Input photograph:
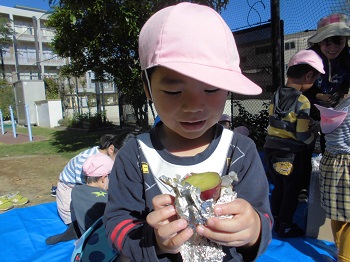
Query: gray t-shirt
x,y
338,141
88,205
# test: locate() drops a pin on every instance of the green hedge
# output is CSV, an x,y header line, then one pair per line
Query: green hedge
x,y
7,98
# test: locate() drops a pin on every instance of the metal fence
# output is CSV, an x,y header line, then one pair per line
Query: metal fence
x,y
253,24
267,33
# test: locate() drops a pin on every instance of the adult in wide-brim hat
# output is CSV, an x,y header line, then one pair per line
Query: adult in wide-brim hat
x,y
331,43
332,25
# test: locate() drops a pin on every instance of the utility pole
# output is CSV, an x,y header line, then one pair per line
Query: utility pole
x,y
103,102
77,92
277,52
37,49
16,58
2,64
120,105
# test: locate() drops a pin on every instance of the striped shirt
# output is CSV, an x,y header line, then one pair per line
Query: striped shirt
x,y
338,141
72,173
289,119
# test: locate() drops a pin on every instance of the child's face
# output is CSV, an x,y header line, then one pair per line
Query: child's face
x,y
185,105
332,46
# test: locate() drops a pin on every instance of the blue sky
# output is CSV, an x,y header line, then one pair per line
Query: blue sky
x,y
40,4
298,15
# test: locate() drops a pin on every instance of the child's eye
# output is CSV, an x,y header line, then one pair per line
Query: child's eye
x,y
172,93
212,91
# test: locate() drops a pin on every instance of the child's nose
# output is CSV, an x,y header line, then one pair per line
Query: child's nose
x,y
193,103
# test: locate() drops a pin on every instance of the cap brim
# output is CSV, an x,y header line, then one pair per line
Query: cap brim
x,y
335,31
330,118
229,80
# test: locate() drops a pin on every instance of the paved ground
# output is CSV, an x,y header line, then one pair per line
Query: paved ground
x,y
9,138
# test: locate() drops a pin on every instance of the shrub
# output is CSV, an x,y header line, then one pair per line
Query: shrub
x,y
87,121
7,98
51,88
256,123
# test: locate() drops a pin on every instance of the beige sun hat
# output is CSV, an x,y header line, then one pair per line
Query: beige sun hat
x,y
332,25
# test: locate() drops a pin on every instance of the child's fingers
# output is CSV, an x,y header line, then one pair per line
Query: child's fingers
x,y
169,230
243,228
160,216
172,236
238,238
160,201
237,206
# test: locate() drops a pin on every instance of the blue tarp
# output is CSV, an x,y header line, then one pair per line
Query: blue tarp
x,y
23,232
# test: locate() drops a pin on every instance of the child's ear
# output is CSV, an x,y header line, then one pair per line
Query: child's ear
x,y
309,75
110,150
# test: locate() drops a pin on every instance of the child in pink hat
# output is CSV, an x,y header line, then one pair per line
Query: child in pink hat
x,y
290,134
190,64
89,200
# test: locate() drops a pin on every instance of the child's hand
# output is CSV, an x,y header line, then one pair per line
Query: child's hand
x,y
325,98
242,230
170,231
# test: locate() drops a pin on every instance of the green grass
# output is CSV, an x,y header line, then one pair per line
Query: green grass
x,y
64,142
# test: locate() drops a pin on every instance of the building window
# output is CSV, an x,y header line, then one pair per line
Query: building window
x,y
289,45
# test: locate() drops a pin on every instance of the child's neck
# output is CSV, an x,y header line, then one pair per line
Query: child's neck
x,y
181,146
293,84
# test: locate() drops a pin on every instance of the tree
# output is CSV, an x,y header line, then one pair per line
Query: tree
x,y
6,34
102,36
7,98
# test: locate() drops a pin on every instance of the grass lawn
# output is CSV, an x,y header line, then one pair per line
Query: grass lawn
x,y
64,142
31,168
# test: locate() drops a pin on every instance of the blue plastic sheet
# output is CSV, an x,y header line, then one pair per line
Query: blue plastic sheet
x,y
23,232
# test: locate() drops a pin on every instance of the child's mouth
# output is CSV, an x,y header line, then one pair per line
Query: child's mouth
x,y
193,125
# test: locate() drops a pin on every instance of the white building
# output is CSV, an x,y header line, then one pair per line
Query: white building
x,y
30,56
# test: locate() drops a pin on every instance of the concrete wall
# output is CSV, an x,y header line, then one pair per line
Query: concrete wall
x,y
49,112
26,93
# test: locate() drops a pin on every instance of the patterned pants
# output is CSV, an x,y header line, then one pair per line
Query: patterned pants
x,y
335,199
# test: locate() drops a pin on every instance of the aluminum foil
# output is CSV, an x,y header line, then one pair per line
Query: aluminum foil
x,y
189,206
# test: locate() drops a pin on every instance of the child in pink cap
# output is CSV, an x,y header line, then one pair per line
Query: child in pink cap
x,y
89,200
190,64
290,134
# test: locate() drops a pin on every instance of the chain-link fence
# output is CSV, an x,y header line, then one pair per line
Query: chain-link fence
x,y
264,52
253,24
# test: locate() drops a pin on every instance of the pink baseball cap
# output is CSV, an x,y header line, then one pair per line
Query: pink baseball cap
x,y
98,165
307,57
195,41
331,118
